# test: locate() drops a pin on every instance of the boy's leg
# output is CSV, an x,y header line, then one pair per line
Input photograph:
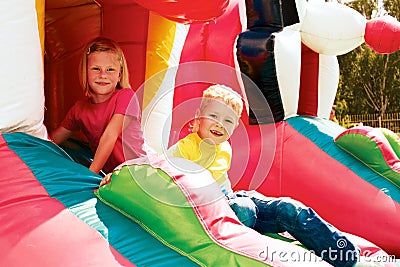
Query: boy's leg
x,y
244,208
285,214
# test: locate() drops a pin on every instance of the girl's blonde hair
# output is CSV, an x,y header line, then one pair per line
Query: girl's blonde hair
x,y
222,93
103,44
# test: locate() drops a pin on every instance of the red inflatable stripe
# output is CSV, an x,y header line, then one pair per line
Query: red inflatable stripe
x,y
42,232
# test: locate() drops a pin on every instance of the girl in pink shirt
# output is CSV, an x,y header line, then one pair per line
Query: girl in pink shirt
x,y
111,107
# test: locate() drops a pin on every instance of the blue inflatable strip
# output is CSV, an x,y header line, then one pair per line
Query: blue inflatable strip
x,y
322,133
72,184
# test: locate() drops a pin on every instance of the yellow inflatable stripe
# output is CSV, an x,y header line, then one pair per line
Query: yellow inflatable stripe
x,y
40,18
160,40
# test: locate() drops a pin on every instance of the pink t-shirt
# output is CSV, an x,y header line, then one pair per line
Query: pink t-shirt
x,y
92,120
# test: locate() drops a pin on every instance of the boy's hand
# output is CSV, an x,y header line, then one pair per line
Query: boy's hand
x,y
106,179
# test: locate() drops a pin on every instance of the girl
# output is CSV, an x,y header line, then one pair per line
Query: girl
x,y
111,104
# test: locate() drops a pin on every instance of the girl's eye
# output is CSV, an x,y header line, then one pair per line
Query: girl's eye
x,y
95,69
110,70
212,116
229,121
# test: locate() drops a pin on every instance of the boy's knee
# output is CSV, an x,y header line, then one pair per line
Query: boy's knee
x,y
245,210
292,210
289,207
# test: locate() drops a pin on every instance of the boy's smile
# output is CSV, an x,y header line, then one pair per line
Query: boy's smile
x,y
216,133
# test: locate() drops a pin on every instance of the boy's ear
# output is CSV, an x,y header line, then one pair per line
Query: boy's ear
x,y
197,114
196,123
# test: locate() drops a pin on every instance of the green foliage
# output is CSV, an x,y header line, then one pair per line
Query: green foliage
x,y
346,122
366,7
370,82
393,8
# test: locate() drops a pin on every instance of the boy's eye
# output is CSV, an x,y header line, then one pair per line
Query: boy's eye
x,y
212,116
229,121
95,68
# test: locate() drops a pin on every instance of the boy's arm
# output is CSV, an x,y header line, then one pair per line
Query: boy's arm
x,y
174,151
182,149
107,142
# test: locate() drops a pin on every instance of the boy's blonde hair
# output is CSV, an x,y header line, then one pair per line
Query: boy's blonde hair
x,y
103,44
225,94
222,93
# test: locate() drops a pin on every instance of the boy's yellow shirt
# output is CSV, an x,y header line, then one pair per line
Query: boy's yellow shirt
x,y
214,158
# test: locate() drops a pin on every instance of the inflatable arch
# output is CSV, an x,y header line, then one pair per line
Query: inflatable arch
x,y
48,209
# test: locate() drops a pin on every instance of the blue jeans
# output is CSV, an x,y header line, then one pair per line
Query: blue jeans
x,y
276,215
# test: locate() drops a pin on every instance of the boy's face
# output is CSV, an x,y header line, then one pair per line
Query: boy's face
x,y
217,122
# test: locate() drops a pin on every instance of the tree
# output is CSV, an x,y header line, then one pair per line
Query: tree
x,y
370,82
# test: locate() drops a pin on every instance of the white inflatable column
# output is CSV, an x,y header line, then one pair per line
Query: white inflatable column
x,y
21,70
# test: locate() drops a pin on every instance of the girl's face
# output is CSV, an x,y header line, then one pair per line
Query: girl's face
x,y
103,74
217,122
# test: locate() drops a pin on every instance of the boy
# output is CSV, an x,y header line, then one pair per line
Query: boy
x,y
215,120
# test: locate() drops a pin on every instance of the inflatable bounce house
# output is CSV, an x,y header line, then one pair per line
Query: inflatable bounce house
x,y
279,55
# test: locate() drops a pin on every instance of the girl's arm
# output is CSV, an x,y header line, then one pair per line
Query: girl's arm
x,y
60,134
107,142
106,179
